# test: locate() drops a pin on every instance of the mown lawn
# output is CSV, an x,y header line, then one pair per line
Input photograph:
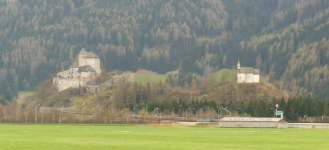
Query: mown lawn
x,y
149,137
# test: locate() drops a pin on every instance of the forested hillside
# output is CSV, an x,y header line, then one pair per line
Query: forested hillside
x,y
285,39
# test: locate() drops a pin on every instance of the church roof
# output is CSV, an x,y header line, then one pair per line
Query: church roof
x,y
246,70
86,68
89,54
256,71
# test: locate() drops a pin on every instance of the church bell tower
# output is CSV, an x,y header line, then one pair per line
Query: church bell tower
x,y
238,66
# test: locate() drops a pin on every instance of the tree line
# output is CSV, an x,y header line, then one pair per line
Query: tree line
x,y
295,109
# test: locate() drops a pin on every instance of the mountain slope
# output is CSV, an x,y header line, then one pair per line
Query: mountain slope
x,y
286,39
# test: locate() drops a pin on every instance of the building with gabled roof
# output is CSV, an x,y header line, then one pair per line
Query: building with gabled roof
x,y
89,58
82,76
247,74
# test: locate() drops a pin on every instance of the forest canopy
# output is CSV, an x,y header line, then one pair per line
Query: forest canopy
x,y
285,39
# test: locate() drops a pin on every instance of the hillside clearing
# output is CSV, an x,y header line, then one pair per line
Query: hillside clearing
x,y
145,76
226,75
23,94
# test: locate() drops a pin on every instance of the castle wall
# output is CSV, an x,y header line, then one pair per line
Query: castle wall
x,y
98,66
93,88
82,60
94,63
85,74
74,69
63,84
91,62
75,75
64,74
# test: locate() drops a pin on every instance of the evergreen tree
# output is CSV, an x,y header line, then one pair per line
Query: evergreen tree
x,y
250,108
282,104
259,109
194,86
162,65
8,95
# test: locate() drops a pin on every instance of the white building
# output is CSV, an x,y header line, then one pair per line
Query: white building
x,y
252,122
247,74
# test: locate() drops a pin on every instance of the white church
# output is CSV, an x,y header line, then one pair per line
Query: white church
x,y
247,74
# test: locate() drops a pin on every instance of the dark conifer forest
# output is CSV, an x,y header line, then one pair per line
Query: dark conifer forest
x,y
285,39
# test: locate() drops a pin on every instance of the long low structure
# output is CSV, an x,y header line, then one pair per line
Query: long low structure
x,y
251,122
309,125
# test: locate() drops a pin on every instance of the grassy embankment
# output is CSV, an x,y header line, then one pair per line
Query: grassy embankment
x,y
148,137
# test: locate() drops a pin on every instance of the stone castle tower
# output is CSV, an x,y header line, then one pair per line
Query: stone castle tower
x,y
88,58
82,76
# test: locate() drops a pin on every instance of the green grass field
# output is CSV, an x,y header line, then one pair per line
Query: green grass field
x,y
23,94
150,78
149,137
230,75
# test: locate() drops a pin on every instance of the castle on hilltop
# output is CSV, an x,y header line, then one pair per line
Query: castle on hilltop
x,y
247,74
82,76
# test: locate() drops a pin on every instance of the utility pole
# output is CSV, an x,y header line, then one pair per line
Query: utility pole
x,y
196,113
183,110
42,116
186,115
147,106
36,114
127,116
17,112
26,113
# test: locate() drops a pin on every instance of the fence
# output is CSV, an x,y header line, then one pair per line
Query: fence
x,y
309,125
316,118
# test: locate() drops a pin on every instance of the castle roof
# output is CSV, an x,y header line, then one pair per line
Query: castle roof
x,y
86,68
88,54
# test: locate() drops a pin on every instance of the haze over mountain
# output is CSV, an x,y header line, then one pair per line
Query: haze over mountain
x,y
285,39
